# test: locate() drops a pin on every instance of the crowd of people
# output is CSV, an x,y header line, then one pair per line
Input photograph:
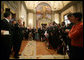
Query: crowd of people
x,y
11,36
63,39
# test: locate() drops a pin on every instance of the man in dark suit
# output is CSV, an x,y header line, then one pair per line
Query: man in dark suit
x,y
33,32
6,43
50,38
17,38
39,31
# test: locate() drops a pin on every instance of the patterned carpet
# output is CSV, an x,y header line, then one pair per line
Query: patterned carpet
x,y
38,50
29,51
24,43
43,50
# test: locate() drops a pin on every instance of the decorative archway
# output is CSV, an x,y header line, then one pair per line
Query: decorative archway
x,y
43,14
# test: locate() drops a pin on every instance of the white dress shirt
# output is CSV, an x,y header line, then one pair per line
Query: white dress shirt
x,y
7,19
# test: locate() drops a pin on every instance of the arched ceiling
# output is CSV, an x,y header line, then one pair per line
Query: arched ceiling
x,y
55,5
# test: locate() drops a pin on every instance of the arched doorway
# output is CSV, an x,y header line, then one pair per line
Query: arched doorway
x,y
43,14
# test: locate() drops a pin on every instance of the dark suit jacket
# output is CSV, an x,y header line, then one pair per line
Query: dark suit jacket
x,y
18,33
6,39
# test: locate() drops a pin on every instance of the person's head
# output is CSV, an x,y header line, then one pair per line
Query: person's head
x,y
53,23
68,25
78,16
75,17
14,22
19,21
58,25
63,23
7,15
50,24
70,16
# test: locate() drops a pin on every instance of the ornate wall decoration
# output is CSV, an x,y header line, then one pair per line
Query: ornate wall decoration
x,y
43,11
43,14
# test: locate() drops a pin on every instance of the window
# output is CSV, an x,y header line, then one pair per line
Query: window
x,y
66,20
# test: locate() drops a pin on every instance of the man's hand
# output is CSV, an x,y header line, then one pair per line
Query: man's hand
x,y
2,32
67,30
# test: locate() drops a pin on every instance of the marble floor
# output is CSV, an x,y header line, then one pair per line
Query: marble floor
x,y
38,50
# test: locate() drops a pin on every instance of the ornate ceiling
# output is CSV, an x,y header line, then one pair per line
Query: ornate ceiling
x,y
55,5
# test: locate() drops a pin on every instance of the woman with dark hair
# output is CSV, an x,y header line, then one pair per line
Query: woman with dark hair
x,y
76,36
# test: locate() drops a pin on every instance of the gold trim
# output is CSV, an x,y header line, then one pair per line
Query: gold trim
x,y
43,23
6,6
12,11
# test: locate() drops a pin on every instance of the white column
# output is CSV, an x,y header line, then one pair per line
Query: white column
x,y
34,20
18,10
56,18
23,14
30,20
